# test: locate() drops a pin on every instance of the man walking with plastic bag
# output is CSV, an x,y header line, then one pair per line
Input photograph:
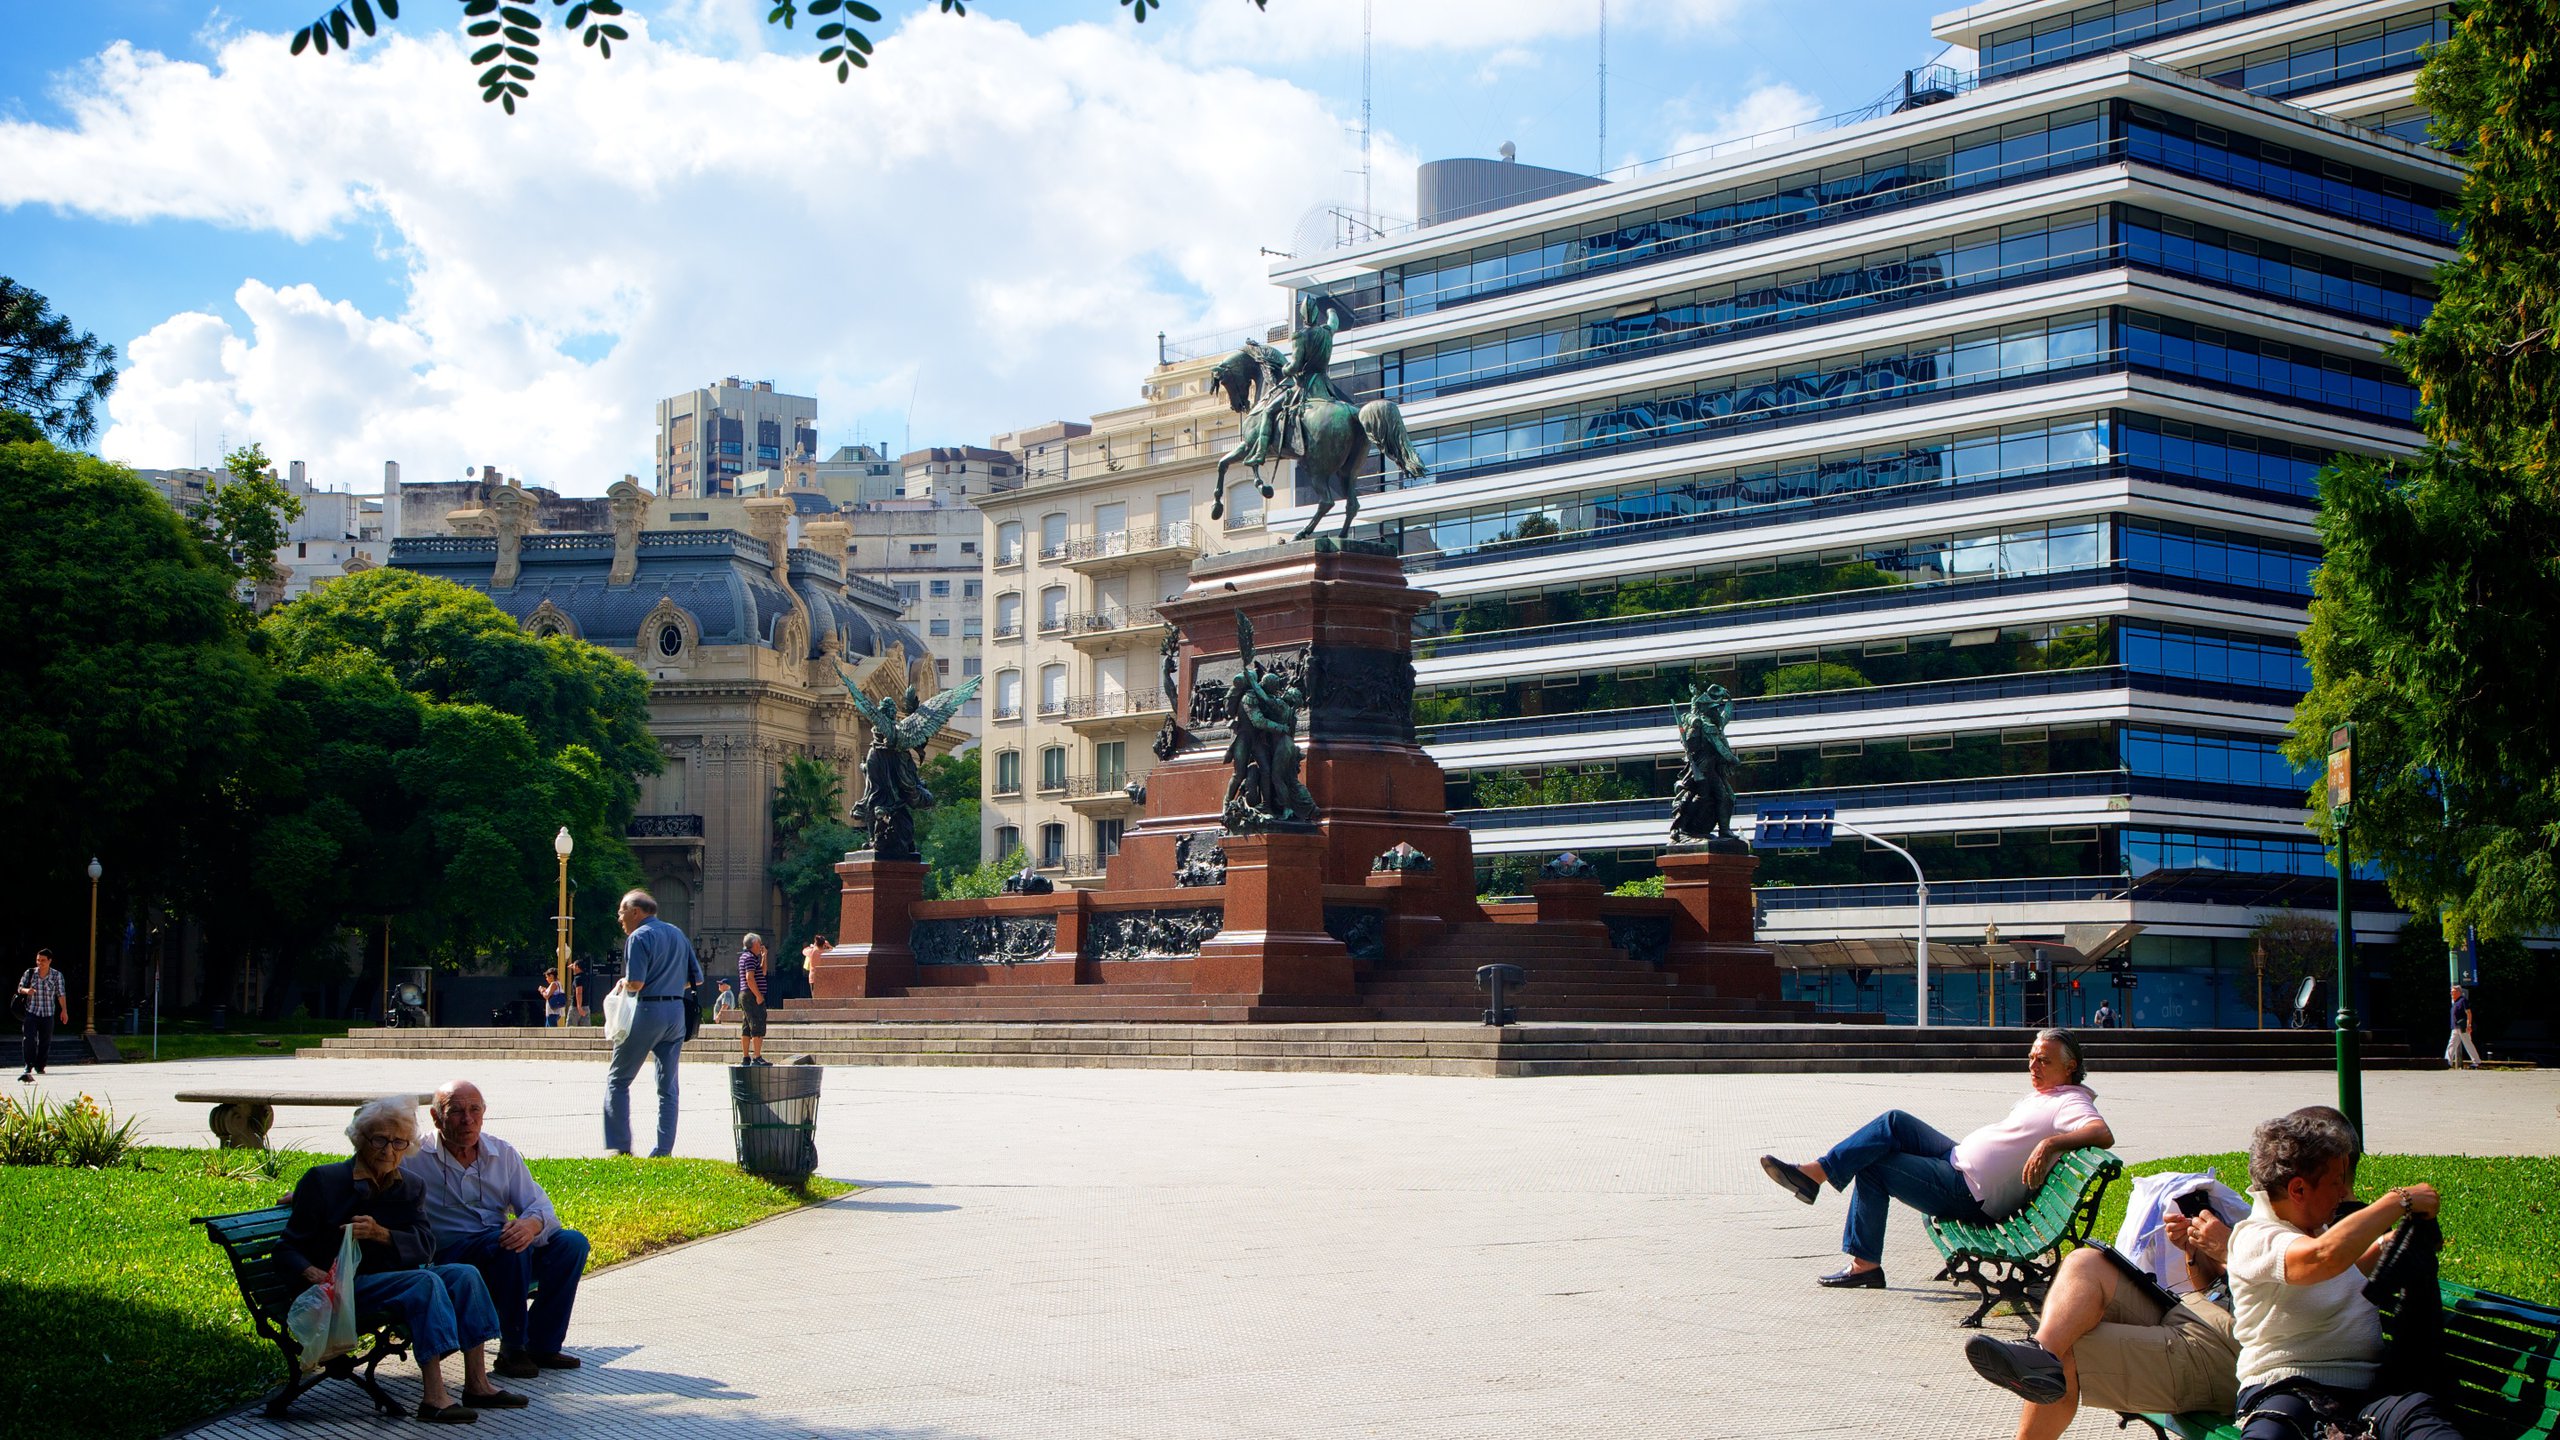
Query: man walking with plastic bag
x,y
658,967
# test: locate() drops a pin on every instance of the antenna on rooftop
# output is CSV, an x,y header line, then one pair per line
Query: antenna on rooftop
x,y
1368,198
1603,167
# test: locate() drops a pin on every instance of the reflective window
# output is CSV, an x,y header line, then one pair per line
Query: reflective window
x,y
2209,655
2256,461
2245,162
2269,367
2149,850
1053,767
2162,547
2360,52
2212,759
2267,267
1008,772
2097,29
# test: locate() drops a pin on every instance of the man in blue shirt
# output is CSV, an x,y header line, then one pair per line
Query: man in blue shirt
x,y
658,965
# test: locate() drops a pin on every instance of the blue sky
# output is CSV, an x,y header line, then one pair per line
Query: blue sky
x,y
351,260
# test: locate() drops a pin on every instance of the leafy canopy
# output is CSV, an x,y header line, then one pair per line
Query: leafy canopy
x,y
2435,619
507,38
50,373
244,519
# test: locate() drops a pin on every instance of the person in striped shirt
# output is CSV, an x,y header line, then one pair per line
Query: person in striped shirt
x,y
41,992
751,1000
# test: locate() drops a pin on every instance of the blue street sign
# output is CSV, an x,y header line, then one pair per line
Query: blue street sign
x,y
1792,827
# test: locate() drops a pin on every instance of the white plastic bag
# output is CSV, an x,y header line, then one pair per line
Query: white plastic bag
x,y
322,1319
620,1008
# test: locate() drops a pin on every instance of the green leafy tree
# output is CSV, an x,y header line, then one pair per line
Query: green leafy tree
x,y
129,698
507,38
2435,615
809,792
983,881
806,876
948,836
50,373
245,518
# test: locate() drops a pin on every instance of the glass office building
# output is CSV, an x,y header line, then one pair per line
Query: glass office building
x,y
1970,444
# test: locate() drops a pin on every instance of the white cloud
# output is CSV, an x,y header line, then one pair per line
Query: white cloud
x,y
1011,218
1511,57
1767,111
1293,30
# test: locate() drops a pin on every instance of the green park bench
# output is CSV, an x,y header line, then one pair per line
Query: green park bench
x,y
268,1284
2499,1358
2014,1259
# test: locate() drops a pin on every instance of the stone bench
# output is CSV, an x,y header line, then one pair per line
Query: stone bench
x,y
241,1118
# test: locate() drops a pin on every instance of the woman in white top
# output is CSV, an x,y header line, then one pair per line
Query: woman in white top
x,y
2310,1342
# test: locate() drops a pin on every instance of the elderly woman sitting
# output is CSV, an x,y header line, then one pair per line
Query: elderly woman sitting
x,y
442,1308
2310,1341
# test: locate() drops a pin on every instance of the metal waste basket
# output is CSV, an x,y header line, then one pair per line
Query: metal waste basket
x,y
777,1112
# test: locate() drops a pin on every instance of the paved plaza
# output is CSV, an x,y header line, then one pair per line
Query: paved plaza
x,y
1207,1254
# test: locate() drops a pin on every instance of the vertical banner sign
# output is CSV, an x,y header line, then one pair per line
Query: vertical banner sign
x,y
2342,767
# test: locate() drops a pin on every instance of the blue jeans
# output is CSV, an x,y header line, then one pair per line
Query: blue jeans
x,y
443,1308
1896,1157
656,1032
549,1269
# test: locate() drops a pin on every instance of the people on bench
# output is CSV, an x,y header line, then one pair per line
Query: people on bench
x,y
2106,1338
442,1308
2311,1347
489,1213
1989,1175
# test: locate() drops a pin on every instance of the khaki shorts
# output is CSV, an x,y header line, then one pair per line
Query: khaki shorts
x,y
2141,1359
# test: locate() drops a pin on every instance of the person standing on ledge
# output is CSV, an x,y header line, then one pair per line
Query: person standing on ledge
x,y
1989,1175
658,966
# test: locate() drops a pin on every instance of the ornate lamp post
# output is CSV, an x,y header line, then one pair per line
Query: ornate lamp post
x,y
89,1020
561,845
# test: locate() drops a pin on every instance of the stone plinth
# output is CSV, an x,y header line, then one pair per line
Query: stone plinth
x,y
1347,614
871,956
1712,941
1272,945
1412,922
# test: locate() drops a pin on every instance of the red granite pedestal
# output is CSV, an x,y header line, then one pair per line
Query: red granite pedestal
x,y
1273,946
1711,930
870,957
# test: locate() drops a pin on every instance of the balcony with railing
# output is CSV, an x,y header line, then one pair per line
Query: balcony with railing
x,y
1116,710
1104,794
1003,711
663,828
1110,551
1105,631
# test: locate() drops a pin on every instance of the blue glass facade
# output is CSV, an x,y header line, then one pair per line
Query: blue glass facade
x,y
2099,29
2255,660
2210,759
2341,57
2162,547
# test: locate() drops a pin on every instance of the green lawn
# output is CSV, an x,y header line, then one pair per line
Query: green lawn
x,y
124,1320
183,1039
2501,1213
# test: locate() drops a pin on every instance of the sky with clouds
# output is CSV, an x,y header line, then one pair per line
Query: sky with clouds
x,y
351,259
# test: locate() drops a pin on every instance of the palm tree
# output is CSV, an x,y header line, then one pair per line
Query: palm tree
x,y
811,793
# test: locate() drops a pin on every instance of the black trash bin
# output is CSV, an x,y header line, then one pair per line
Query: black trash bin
x,y
777,1112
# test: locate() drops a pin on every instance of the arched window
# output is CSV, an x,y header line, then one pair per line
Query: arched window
x,y
1053,689
1053,609
1009,695
1053,767
1009,543
1053,536
1008,772
1009,617
1053,846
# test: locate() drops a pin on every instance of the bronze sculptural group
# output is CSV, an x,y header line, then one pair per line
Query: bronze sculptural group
x,y
1702,803
893,787
1292,413
1262,706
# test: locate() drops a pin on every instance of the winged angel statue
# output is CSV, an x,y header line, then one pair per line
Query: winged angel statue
x,y
893,790
1291,413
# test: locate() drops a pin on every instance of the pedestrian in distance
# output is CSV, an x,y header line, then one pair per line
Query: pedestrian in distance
x,y
658,966
2105,1019
555,1000
2459,1042
488,1212
751,1001
42,1001
724,1006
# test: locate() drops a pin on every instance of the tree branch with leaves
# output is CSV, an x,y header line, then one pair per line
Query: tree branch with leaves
x,y
508,37
52,374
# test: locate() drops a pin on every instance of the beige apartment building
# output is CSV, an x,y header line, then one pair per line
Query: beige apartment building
x,y
1106,522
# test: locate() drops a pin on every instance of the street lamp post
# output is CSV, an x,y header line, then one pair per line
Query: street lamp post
x,y
561,845
1920,883
89,1021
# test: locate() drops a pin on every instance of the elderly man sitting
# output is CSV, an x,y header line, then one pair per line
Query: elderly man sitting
x,y
488,1213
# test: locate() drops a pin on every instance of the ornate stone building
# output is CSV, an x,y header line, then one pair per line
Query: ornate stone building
x,y
741,635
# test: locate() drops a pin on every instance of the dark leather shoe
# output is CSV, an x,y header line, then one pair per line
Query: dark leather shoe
x,y
1794,1181
449,1415
495,1400
2021,1367
515,1366
557,1361
1853,1279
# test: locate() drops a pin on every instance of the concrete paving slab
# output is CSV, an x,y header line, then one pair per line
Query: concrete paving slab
x,y
1209,1253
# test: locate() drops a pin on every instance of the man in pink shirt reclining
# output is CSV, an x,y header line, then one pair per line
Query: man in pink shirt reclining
x,y
1989,1175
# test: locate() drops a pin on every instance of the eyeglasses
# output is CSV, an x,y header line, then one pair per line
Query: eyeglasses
x,y
388,1142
